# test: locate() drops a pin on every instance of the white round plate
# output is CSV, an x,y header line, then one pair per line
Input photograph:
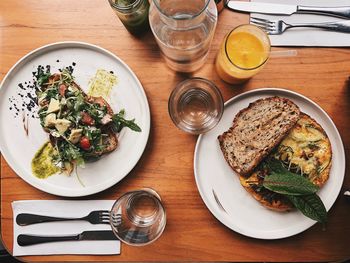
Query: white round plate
x,y
243,213
19,149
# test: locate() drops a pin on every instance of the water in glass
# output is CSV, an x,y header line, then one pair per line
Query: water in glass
x,y
196,105
183,30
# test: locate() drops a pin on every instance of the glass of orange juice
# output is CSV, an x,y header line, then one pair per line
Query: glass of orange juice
x,y
242,54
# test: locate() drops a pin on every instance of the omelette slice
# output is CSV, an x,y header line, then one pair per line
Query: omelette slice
x,y
306,150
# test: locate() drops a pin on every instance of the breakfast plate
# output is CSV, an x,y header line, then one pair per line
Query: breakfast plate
x,y
21,134
230,203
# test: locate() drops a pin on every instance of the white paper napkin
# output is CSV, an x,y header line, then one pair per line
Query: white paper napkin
x,y
62,209
307,36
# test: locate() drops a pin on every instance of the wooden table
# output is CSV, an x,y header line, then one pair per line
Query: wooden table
x,y
192,232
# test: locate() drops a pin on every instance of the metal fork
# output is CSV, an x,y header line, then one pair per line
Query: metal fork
x,y
279,26
95,217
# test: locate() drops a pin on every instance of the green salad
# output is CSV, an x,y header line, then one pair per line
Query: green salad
x,y
81,127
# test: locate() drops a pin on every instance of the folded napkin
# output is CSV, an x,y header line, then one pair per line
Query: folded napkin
x,y
62,209
307,36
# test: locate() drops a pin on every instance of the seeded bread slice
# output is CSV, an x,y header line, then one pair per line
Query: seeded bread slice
x,y
256,130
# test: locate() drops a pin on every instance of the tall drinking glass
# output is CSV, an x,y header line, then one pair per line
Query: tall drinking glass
x,y
183,30
243,54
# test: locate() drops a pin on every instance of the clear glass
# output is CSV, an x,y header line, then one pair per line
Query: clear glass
x,y
138,217
242,54
133,14
196,105
183,30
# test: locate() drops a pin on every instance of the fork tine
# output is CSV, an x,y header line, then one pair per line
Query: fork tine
x,y
104,213
261,20
263,25
267,28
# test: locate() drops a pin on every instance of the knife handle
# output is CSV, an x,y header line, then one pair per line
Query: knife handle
x,y
27,240
341,11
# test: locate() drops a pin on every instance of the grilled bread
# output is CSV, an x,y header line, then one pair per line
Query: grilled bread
x,y
306,150
256,130
110,141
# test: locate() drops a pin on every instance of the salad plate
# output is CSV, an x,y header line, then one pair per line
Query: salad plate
x,y
21,134
230,203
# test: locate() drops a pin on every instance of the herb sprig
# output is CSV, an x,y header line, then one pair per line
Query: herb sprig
x,y
119,122
299,190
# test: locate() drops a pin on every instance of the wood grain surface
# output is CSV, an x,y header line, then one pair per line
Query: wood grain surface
x,y
192,232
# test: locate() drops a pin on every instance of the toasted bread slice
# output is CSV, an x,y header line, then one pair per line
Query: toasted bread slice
x,y
256,130
111,141
306,150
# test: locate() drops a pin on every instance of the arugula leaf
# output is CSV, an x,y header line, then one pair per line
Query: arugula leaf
x,y
289,184
43,78
311,206
79,103
119,122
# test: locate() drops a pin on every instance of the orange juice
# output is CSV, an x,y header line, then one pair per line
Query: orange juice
x,y
242,54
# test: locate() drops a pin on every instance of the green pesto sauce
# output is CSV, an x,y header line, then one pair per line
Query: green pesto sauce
x,y
42,166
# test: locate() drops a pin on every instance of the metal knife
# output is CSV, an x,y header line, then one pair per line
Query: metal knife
x,y
281,9
27,240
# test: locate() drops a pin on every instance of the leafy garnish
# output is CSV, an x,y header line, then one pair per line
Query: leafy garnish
x,y
119,122
43,78
298,189
311,206
281,181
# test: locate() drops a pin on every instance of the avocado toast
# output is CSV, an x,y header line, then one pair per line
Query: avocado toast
x,y
81,128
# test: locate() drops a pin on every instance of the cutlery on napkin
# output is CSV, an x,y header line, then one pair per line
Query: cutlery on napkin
x,y
288,9
27,240
306,36
63,208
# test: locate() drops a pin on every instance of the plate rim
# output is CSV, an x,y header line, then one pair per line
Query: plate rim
x,y
229,102
109,183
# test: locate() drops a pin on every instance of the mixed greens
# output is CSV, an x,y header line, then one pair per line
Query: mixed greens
x,y
81,127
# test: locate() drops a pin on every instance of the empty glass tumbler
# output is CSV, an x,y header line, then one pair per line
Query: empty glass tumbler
x,y
138,217
183,30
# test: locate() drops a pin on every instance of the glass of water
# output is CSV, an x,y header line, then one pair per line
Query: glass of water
x,y
138,217
183,30
196,105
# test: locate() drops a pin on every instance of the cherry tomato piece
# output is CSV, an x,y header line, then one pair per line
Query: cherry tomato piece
x,y
84,143
62,89
87,119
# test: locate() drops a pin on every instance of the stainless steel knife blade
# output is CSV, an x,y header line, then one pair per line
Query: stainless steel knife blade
x,y
281,9
265,8
97,235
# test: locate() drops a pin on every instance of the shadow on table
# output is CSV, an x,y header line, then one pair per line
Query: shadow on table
x,y
6,257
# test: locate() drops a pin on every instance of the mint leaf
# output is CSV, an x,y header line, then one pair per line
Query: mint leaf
x,y
288,183
311,206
